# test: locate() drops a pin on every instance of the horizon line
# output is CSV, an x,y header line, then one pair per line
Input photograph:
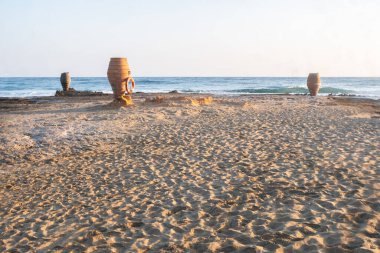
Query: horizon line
x,y
159,76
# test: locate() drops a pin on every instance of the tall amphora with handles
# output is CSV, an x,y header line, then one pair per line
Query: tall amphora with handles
x,y
119,76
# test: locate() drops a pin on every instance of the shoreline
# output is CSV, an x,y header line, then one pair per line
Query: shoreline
x,y
102,94
6,102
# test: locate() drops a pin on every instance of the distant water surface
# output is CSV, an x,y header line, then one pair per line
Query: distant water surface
x,y
46,86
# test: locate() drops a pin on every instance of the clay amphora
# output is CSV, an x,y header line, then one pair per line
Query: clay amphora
x,y
314,83
118,74
65,80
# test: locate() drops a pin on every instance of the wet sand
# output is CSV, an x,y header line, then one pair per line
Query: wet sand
x,y
241,174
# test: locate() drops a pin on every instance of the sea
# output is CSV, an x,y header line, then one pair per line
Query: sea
x,y
368,87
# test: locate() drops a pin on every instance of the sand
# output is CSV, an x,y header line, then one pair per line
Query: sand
x,y
182,174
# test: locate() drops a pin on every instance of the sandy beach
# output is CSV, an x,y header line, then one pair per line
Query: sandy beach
x,y
261,173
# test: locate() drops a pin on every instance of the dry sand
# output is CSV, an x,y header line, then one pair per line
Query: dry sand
x,y
245,174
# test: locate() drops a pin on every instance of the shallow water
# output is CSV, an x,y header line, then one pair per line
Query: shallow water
x,y
46,86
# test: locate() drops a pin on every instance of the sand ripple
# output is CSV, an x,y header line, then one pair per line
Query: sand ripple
x,y
268,174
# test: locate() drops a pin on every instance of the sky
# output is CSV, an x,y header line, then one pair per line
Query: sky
x,y
191,38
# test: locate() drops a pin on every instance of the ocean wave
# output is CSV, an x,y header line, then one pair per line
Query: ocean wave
x,y
147,81
194,91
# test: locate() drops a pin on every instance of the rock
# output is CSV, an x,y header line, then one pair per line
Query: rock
x,y
73,93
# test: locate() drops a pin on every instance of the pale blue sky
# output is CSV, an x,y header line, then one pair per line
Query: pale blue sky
x,y
191,38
